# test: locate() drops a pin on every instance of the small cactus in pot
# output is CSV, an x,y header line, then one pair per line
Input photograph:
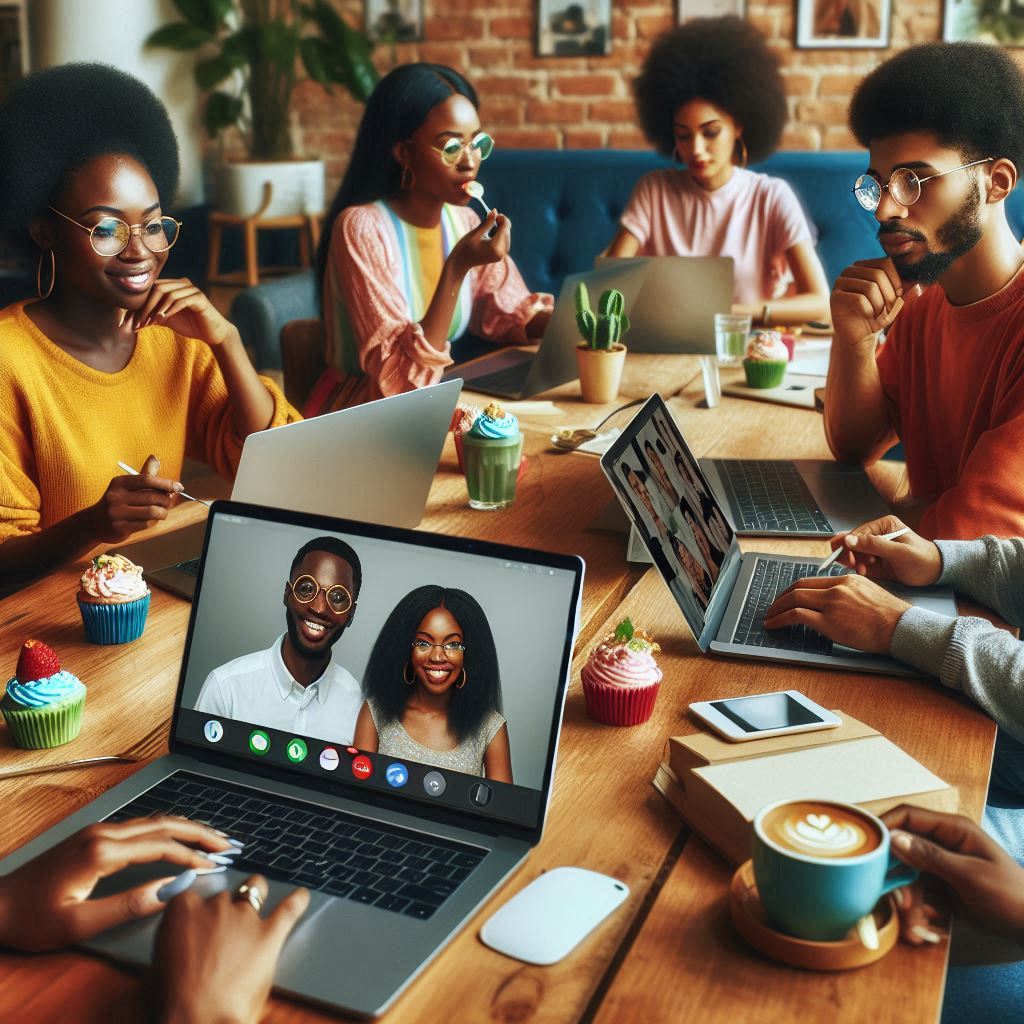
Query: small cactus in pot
x,y
601,354
605,329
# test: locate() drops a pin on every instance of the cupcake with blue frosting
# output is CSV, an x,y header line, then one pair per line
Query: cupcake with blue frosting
x,y
43,704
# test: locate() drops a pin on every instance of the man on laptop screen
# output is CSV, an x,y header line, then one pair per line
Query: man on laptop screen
x,y
295,685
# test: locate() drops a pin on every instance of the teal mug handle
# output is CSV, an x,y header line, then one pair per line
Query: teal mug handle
x,y
898,874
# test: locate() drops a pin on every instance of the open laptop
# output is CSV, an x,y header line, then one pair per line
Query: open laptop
x,y
374,462
722,592
398,853
509,372
679,297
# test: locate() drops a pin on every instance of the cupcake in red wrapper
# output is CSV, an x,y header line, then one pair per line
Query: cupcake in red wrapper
x,y
621,678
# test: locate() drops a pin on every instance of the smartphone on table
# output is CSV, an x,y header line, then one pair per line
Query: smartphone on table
x,y
765,714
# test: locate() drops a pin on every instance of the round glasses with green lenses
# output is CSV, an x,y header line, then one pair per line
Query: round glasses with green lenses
x,y
481,144
306,588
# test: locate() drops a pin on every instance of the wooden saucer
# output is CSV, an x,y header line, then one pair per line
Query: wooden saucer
x,y
841,955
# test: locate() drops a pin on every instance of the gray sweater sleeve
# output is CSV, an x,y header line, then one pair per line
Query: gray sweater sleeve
x,y
970,654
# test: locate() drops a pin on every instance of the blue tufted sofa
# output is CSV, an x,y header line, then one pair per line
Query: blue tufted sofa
x,y
564,206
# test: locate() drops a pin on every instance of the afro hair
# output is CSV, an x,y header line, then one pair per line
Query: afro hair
x,y
55,120
725,61
969,95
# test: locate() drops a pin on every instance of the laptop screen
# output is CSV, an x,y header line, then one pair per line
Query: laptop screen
x,y
429,668
669,501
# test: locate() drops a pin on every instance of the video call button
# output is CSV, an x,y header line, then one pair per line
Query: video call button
x,y
259,742
397,775
213,731
481,795
434,784
362,767
296,751
329,759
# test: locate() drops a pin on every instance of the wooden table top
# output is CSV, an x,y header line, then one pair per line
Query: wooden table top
x,y
670,952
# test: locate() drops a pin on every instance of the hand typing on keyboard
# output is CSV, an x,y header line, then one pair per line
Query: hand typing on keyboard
x,y
851,610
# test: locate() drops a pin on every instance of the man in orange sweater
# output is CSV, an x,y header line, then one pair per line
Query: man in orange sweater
x,y
942,124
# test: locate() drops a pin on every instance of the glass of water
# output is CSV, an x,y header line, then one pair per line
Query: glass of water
x,y
731,331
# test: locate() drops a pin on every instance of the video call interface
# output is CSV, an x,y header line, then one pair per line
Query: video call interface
x,y
428,674
671,505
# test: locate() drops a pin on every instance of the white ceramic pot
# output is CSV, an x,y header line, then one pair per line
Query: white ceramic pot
x,y
297,187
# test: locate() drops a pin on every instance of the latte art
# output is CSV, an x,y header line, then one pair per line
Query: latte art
x,y
821,830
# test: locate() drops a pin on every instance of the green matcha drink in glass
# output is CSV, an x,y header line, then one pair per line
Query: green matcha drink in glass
x,y
492,449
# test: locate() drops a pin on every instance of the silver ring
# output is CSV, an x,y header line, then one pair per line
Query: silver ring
x,y
251,895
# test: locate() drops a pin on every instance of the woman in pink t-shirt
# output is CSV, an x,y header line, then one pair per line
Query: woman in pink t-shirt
x,y
710,95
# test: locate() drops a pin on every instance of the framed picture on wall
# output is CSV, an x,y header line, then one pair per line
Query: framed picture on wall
x,y
687,10
574,28
394,21
983,21
843,24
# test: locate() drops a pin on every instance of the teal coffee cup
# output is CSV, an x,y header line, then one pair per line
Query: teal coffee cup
x,y
820,866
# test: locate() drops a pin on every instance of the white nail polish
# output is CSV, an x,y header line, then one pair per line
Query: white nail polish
x,y
925,934
210,871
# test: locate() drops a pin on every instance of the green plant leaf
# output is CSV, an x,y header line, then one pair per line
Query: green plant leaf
x,y
179,36
207,14
624,630
582,298
278,43
345,53
587,325
315,59
240,47
209,72
222,111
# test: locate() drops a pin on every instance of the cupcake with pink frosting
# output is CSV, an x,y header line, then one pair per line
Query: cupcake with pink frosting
x,y
114,600
621,677
765,362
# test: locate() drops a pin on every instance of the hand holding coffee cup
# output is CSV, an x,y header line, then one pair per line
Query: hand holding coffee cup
x,y
821,865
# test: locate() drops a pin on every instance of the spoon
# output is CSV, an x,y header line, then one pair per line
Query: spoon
x,y
569,440
476,190
40,769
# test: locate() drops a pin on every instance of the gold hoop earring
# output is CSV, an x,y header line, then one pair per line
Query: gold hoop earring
x,y
408,178
743,152
459,686
39,274
405,677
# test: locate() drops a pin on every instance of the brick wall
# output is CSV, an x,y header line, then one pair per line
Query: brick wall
x,y
585,102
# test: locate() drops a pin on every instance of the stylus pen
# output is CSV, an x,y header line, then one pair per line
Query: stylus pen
x,y
134,472
842,547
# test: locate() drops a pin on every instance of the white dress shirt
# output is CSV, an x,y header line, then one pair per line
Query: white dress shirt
x,y
258,688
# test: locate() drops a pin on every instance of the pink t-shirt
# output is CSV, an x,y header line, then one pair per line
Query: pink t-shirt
x,y
753,218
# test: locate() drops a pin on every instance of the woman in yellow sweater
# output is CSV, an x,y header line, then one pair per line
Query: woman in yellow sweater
x,y
111,364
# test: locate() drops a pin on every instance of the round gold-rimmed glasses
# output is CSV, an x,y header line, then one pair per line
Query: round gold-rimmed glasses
x,y
110,236
306,588
451,152
904,185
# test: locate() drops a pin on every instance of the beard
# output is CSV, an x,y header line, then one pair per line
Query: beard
x,y
957,236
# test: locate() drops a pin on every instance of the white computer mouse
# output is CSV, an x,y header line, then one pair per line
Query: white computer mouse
x,y
553,914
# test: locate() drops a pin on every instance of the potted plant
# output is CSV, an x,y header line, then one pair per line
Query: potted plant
x,y
250,51
601,354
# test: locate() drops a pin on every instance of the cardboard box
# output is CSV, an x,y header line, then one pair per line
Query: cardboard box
x,y
718,787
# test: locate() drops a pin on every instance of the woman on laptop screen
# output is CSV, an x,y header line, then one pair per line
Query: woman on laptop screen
x,y
433,688
406,268
710,96
112,363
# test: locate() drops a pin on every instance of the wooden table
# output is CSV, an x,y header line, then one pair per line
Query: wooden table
x,y
670,953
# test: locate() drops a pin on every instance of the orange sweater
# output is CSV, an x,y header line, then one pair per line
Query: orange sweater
x,y
66,425
953,378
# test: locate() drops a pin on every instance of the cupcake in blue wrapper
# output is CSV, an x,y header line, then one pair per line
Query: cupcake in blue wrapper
x,y
114,600
43,704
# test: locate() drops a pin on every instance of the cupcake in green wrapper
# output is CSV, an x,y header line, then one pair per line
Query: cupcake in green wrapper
x,y
43,704
766,359
114,600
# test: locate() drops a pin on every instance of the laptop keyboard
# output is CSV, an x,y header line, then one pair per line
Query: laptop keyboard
x,y
770,578
190,568
337,853
771,496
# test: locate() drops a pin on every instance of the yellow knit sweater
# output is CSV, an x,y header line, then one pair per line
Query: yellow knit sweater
x,y
64,426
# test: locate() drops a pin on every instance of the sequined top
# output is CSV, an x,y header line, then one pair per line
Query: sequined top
x,y
468,757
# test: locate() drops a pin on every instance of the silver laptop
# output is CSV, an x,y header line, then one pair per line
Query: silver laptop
x,y
722,592
374,462
398,853
679,297
510,372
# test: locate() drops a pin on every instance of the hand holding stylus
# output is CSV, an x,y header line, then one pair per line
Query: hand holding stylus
x,y
132,502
